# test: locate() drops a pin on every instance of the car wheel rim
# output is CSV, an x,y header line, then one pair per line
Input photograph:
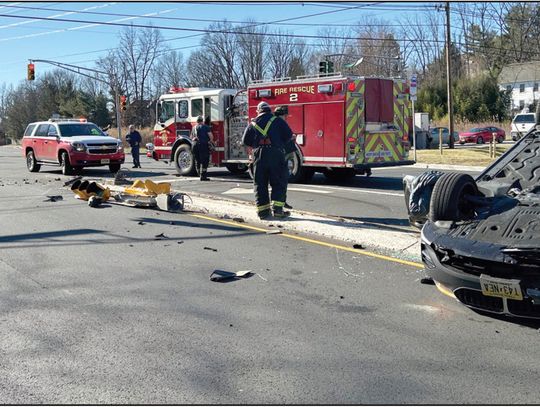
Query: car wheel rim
x,y
184,160
291,165
30,160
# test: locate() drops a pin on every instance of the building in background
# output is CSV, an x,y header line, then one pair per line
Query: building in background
x,y
523,81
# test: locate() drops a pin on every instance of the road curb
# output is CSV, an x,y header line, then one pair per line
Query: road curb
x,y
388,240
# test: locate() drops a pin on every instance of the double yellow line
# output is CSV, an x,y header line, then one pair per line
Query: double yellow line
x,y
313,241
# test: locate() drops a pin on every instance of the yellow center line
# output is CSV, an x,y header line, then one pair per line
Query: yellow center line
x,y
314,241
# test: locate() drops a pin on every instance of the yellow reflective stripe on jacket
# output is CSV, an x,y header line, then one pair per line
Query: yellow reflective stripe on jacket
x,y
264,131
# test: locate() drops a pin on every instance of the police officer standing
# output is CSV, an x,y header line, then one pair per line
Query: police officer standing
x,y
268,135
134,139
201,136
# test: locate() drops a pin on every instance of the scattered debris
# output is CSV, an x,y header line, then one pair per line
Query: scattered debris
x,y
58,179
230,325
280,226
140,223
71,181
341,297
225,217
53,198
273,232
225,276
180,242
172,223
95,201
358,246
497,332
210,248
27,182
239,220
161,236
130,245
427,280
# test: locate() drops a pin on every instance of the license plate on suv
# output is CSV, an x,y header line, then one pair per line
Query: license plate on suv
x,y
500,287
105,161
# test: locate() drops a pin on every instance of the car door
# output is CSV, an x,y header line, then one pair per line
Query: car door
x,y
39,139
50,143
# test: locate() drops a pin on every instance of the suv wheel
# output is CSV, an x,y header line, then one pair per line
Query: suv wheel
x,y
500,139
31,162
449,198
67,169
480,140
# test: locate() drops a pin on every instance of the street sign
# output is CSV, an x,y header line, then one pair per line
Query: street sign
x,y
413,86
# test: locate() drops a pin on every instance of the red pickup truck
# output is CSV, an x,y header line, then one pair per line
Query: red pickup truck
x,y
71,144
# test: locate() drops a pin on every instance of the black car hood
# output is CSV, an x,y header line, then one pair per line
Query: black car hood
x,y
515,172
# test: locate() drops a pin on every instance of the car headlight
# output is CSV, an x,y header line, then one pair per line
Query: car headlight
x,y
149,146
120,147
77,146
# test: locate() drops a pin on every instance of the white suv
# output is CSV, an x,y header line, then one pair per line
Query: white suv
x,y
521,125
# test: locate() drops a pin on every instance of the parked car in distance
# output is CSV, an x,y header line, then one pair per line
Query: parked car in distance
x,y
71,144
522,123
481,135
434,135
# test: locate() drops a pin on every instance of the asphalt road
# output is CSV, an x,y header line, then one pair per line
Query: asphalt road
x,y
96,309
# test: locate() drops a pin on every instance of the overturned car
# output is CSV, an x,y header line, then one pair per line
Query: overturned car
x,y
481,237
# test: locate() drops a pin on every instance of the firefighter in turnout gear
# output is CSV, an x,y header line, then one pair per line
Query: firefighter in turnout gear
x,y
290,148
268,135
202,138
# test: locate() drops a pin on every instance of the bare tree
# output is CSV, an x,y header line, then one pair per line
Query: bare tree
x,y
169,71
251,50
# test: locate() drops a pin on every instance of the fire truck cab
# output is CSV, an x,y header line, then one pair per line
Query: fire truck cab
x,y
343,125
225,110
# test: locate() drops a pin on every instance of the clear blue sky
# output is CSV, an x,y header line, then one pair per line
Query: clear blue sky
x,y
24,36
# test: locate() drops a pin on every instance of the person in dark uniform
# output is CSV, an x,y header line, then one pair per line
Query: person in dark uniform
x,y
268,135
290,148
201,136
134,139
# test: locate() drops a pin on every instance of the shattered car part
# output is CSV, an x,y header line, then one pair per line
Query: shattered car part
x,y
418,195
224,276
490,260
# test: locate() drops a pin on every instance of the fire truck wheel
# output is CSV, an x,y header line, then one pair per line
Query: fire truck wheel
x,y
236,168
184,161
297,172
67,169
339,174
31,162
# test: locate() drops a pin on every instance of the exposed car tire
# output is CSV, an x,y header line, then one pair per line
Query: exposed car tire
x,y
339,174
500,139
237,168
448,200
297,172
184,160
67,169
480,140
31,162
114,168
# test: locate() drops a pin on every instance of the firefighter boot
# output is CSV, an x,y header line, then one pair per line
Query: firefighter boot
x,y
203,174
263,211
277,208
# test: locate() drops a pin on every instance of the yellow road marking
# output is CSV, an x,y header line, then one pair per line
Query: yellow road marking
x,y
317,242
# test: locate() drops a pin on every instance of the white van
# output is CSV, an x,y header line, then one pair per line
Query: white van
x,y
521,124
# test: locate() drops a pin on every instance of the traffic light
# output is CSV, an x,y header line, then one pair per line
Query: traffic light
x,y
329,67
31,73
323,67
123,100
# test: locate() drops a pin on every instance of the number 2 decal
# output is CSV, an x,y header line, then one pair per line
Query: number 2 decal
x,y
293,97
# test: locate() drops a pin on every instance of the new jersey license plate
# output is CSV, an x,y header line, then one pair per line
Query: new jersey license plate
x,y
105,161
500,287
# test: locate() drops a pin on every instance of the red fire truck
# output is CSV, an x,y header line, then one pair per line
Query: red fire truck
x,y
343,125
176,114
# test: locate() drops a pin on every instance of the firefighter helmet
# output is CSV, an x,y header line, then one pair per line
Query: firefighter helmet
x,y
263,107
200,119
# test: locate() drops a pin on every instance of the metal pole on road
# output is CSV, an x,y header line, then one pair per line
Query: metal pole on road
x,y
414,130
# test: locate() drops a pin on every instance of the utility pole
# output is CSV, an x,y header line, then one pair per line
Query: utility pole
x,y
449,79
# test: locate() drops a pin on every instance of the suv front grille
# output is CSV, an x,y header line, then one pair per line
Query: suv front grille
x,y
102,148
524,308
476,299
